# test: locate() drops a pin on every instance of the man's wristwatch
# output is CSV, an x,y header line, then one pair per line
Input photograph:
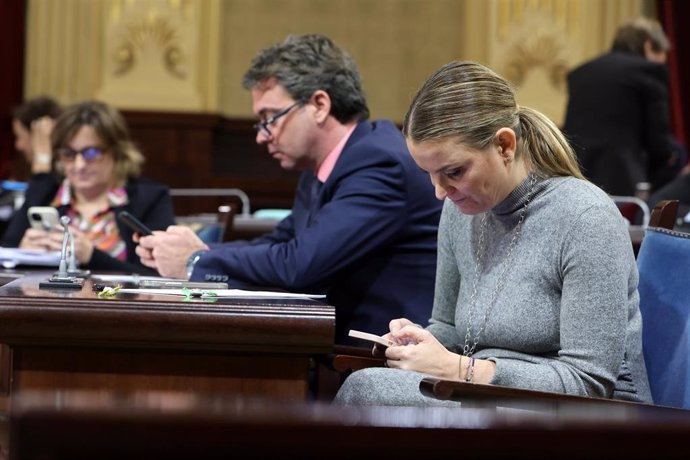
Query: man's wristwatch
x,y
193,259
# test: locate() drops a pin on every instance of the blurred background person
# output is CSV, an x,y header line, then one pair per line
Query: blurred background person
x,y
32,123
97,175
617,117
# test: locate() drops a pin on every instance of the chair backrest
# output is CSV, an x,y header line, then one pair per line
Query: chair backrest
x,y
630,207
664,266
211,228
664,214
200,196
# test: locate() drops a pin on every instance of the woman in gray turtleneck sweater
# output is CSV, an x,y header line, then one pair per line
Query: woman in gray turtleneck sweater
x,y
536,284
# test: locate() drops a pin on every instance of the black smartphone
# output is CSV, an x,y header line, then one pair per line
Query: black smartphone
x,y
134,223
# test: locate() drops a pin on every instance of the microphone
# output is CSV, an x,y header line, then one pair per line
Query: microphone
x,y
72,267
62,278
62,268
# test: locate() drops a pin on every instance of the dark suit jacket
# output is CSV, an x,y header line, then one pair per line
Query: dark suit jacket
x,y
367,238
148,200
617,120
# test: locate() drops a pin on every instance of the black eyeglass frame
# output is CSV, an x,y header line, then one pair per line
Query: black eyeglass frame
x,y
89,154
263,125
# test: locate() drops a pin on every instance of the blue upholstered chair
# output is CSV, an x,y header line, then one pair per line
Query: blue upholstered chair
x,y
664,265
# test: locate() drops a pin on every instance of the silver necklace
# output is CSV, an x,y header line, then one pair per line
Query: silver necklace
x,y
468,350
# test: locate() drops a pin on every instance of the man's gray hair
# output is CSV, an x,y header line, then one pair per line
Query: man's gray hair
x,y
306,63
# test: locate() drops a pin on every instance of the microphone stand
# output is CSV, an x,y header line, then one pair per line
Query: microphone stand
x,y
72,267
62,279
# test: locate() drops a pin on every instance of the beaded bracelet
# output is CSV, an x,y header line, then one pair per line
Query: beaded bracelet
x,y
470,370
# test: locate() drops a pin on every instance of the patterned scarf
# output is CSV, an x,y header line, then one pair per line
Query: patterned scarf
x,y
101,229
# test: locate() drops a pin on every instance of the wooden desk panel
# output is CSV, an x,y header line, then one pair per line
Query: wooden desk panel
x,y
62,339
77,425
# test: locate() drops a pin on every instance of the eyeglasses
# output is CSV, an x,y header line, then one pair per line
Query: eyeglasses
x,y
87,153
263,125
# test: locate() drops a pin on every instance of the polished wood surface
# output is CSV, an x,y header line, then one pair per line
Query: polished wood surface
x,y
78,425
64,339
495,395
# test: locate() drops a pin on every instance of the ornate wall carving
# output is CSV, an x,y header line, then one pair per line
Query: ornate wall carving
x,y
534,43
152,54
191,54
145,54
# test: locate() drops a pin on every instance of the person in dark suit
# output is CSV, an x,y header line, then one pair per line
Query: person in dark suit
x,y
617,115
364,219
97,169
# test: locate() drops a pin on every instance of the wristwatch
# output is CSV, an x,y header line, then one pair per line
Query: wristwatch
x,y
193,259
43,158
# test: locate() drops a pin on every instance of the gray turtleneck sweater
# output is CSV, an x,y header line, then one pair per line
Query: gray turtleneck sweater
x,y
566,315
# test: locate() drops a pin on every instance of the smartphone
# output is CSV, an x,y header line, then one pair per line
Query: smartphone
x,y
370,337
134,223
44,218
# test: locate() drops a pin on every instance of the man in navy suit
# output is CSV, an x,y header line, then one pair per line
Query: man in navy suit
x,y
364,220
617,117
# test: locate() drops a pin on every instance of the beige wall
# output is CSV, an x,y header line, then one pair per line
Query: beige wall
x,y
189,55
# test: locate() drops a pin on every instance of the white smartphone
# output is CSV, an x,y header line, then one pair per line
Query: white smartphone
x,y
44,218
370,337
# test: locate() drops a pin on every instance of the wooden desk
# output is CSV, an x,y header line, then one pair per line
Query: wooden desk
x,y
77,425
62,339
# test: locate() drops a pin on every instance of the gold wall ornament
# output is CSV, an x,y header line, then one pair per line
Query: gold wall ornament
x,y
161,54
124,58
157,35
540,50
534,43
78,49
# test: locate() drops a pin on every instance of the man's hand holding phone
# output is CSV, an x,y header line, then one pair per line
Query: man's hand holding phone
x,y
135,224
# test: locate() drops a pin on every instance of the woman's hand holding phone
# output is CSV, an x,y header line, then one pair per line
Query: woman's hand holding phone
x,y
43,240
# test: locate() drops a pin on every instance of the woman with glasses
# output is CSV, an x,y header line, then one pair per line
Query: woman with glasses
x,y
97,170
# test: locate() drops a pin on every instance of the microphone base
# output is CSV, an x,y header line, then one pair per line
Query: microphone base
x,y
79,273
62,282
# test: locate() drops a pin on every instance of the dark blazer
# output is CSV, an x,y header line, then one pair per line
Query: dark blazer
x,y
148,200
366,238
617,120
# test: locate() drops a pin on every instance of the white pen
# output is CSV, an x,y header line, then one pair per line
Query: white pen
x,y
179,284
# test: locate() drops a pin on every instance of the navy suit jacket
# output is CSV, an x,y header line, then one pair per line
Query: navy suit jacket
x,y
367,238
617,120
149,201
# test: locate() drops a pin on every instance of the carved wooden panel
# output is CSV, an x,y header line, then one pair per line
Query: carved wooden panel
x,y
198,150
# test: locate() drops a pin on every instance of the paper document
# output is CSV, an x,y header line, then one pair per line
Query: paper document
x,y
11,257
223,293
